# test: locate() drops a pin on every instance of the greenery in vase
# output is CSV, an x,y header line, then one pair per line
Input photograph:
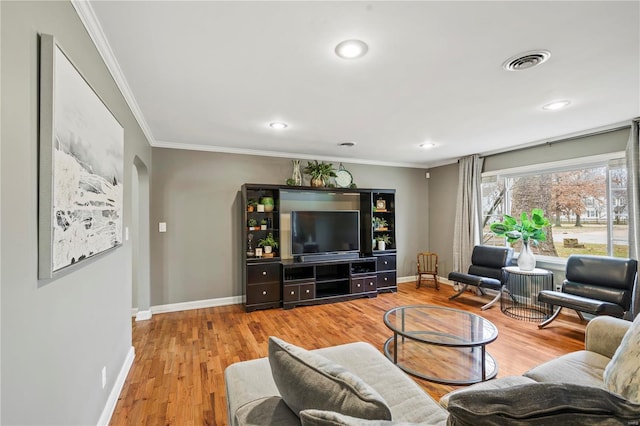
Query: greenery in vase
x,y
384,237
379,222
253,203
527,229
252,223
320,170
268,241
263,222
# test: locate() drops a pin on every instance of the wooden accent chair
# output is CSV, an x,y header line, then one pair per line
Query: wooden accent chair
x,y
427,266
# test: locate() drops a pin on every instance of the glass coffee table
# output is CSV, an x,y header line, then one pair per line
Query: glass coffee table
x,y
442,345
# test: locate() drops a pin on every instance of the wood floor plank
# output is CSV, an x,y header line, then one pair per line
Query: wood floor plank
x,y
177,376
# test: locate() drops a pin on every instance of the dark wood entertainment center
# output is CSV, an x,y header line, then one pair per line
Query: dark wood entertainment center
x,y
282,281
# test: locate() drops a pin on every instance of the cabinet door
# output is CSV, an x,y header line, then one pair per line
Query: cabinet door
x,y
290,293
307,291
357,285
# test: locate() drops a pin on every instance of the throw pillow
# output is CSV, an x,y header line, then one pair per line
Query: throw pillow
x,y
330,418
308,380
546,403
621,375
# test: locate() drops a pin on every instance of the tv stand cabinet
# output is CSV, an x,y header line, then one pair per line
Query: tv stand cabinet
x,y
271,281
307,283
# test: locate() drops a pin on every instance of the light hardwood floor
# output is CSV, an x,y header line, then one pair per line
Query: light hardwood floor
x,y
177,376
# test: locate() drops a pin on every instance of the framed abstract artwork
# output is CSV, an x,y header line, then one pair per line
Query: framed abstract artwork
x,y
81,151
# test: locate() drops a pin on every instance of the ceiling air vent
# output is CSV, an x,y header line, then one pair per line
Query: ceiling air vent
x,y
526,60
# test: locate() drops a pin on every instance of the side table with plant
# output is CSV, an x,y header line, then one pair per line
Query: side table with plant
x,y
527,229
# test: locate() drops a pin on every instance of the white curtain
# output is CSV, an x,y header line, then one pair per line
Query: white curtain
x,y
633,188
467,232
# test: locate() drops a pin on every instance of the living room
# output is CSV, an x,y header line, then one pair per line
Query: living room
x,y
67,342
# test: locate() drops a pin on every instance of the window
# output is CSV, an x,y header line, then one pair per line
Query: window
x,y
586,204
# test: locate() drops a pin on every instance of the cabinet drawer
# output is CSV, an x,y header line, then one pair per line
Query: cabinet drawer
x,y
263,273
295,292
386,279
263,293
386,263
370,283
357,285
307,291
290,293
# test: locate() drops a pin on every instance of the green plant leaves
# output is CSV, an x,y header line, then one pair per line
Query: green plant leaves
x,y
527,229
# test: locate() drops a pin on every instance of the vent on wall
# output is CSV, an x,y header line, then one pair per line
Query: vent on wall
x,y
526,60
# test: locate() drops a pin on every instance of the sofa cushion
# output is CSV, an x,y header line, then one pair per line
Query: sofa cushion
x,y
503,382
580,368
308,380
331,418
621,374
542,403
265,411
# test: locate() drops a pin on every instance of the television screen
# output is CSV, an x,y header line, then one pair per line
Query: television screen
x,y
325,231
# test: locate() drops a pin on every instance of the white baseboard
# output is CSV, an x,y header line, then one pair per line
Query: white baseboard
x,y
412,279
143,315
107,411
197,304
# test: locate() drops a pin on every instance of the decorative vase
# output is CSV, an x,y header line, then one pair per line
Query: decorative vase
x,y
268,204
526,259
267,249
317,182
296,176
381,245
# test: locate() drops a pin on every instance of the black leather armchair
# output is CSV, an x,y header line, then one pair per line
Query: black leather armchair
x,y
485,271
597,285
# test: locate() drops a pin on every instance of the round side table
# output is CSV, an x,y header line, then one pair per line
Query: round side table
x,y
520,294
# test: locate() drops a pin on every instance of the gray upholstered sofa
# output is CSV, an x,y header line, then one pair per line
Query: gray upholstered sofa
x,y
566,390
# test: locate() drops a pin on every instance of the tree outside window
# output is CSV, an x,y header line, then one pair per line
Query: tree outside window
x,y
586,205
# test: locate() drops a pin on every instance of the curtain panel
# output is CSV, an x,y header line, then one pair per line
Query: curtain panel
x,y
467,231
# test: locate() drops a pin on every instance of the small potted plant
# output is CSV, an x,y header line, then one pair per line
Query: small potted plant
x,y
320,173
383,240
252,223
268,243
380,224
268,204
251,205
263,224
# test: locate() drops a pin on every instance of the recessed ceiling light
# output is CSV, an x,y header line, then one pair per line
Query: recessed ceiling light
x,y
526,60
556,105
351,49
347,144
278,125
427,145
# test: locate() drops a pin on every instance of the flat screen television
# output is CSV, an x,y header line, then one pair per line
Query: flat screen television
x,y
325,232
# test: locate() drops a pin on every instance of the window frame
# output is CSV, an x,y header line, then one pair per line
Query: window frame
x,y
608,160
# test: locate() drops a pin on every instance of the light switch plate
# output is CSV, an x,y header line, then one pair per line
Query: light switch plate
x,y
162,227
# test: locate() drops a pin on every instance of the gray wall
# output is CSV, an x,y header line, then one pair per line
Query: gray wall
x,y
443,184
197,195
56,336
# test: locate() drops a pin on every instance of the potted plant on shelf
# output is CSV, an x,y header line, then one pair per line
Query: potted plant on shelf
x,y
383,240
527,229
263,224
268,243
251,205
253,224
380,224
319,172
268,204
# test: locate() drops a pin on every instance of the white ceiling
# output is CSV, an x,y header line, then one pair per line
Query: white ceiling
x,y
211,75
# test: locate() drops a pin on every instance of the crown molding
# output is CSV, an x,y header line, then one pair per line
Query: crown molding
x,y
281,154
92,25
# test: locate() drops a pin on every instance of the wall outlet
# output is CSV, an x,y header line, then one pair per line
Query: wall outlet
x,y
104,377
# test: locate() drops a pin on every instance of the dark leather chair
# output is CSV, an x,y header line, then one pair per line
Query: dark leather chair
x,y
485,271
597,285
